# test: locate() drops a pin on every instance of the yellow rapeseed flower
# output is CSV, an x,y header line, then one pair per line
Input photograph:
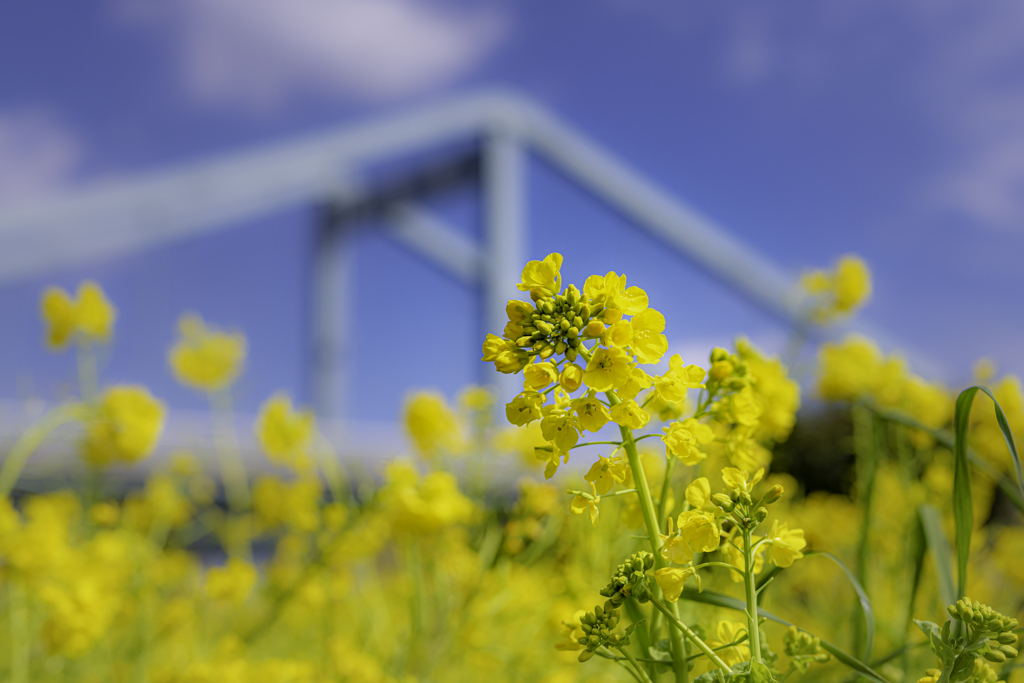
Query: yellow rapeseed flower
x,y
232,582
205,358
283,432
90,315
672,580
608,369
125,427
432,424
542,277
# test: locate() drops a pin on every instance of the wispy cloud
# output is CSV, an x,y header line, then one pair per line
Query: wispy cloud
x,y
37,153
258,53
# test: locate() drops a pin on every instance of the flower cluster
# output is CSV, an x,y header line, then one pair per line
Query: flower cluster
x,y
839,291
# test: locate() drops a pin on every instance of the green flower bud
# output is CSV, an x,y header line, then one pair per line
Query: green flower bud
x,y
573,332
524,342
995,656
760,514
774,494
1008,650
585,655
1007,638
547,352
719,354
560,347
571,354
952,611
564,324
723,501
547,306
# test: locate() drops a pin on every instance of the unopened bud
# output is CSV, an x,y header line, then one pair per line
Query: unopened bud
x,y
560,347
571,353
719,354
720,370
723,501
773,494
1007,638
1008,650
761,514
547,352
595,328
995,656
585,655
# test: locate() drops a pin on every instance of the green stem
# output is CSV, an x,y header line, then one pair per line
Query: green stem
x,y
641,674
88,377
751,592
232,469
332,469
653,533
720,564
694,638
20,644
30,440
666,487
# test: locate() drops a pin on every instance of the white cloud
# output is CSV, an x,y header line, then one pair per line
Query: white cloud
x,y
37,153
258,53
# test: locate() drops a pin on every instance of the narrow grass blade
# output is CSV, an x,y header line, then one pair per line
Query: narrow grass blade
x,y
862,597
941,553
1004,427
1014,493
963,512
719,600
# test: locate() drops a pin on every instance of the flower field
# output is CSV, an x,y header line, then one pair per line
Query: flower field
x,y
655,531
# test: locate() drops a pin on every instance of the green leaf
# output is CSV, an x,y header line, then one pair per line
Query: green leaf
x,y
917,549
1004,427
862,597
963,668
941,553
719,600
1014,493
963,512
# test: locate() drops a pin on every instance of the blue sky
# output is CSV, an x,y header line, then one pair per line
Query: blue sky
x,y
807,129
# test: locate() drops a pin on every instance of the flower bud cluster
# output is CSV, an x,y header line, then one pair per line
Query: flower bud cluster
x,y
803,648
728,372
597,628
983,620
553,325
629,579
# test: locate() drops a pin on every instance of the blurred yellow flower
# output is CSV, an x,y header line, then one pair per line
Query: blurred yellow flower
x,y
283,432
786,544
90,315
205,358
232,582
125,427
432,424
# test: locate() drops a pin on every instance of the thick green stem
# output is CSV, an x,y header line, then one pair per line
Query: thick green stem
x,y
694,638
751,592
643,492
30,440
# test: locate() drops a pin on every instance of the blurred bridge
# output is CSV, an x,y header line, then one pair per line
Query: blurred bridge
x,y
492,131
